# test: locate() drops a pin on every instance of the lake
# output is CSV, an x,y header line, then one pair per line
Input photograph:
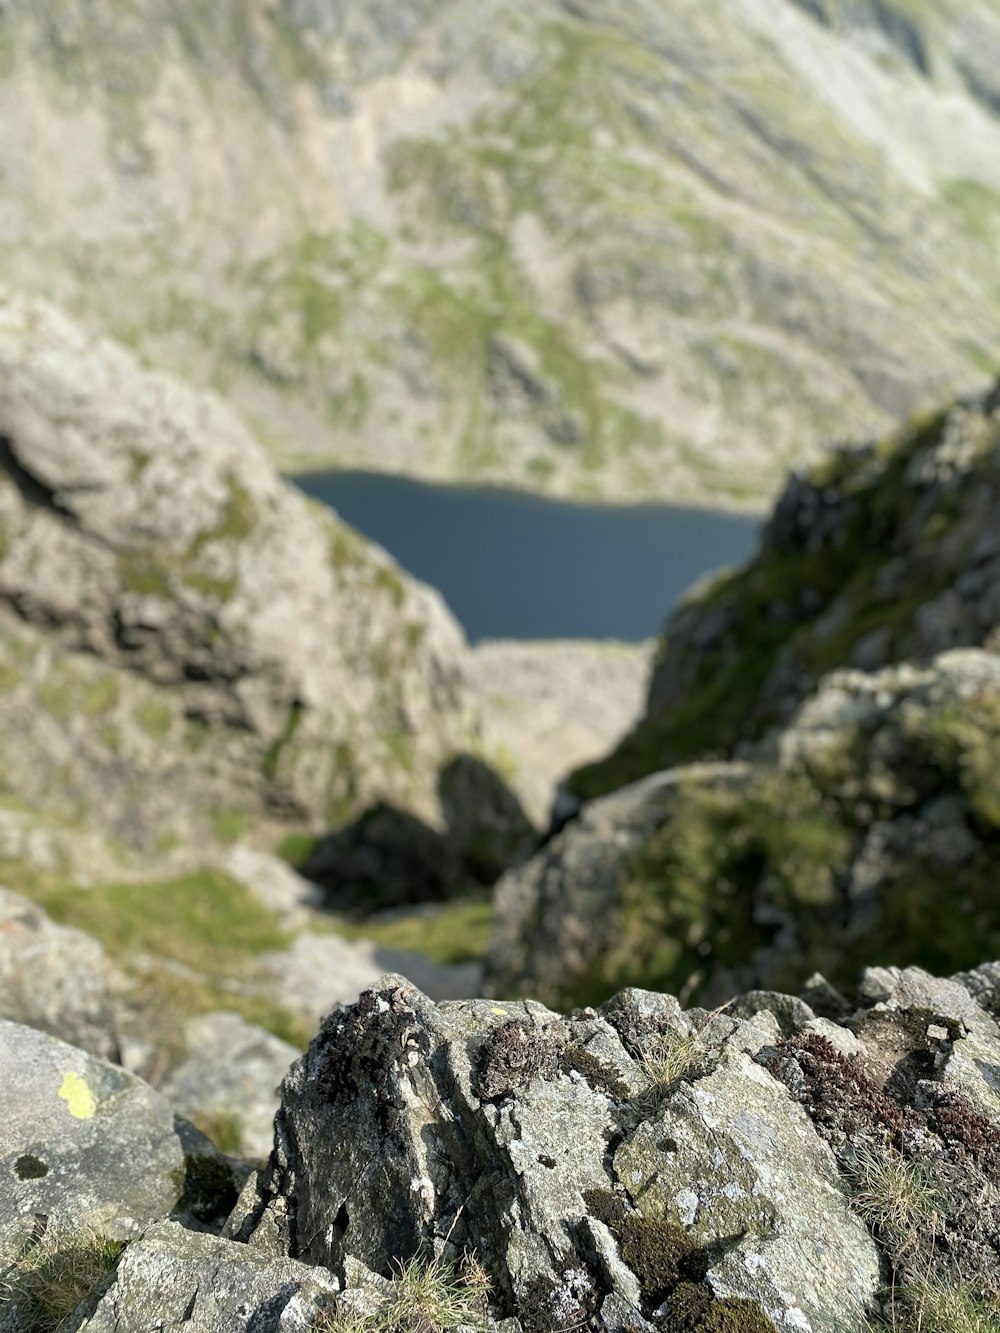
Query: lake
x,y
518,566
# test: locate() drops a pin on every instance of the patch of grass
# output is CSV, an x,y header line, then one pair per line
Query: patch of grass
x,y
664,1059
48,1283
224,1128
429,1296
891,1194
296,848
455,932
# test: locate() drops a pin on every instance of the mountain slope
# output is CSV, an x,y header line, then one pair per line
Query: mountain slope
x,y
188,645
584,246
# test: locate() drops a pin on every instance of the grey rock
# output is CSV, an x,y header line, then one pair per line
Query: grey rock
x,y
209,1285
206,646
488,1124
232,1071
55,979
85,1144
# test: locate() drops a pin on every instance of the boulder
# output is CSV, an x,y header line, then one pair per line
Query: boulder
x,y
411,1128
824,849
228,1080
207,1285
85,1144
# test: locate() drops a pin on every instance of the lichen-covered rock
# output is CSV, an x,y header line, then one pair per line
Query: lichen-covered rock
x,y
183,633
84,1144
825,852
592,1177
55,979
206,1285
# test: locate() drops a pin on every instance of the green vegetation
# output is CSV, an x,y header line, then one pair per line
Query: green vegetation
x,y
189,945
454,932
429,1296
56,1273
773,606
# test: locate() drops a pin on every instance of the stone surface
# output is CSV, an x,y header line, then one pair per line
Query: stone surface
x,y
409,1125
882,554
830,848
84,1144
182,631
558,244
231,1072
55,979
208,1285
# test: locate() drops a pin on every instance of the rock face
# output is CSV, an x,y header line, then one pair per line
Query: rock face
x,y
182,632
640,1166
830,847
879,555
582,245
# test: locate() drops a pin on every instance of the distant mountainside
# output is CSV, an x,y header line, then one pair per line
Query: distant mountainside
x,y
579,245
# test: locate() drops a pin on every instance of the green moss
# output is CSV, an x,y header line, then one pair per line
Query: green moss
x,y
229,825
143,575
155,718
734,1315
661,1254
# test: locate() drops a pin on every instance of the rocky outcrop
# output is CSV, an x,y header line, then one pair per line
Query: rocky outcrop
x,y
880,554
188,644
557,244
830,847
501,1168
640,1166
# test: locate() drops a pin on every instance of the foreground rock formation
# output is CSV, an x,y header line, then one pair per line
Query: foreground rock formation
x,y
768,1166
187,642
580,245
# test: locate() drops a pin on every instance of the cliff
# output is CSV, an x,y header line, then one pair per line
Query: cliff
x,y
189,645
584,246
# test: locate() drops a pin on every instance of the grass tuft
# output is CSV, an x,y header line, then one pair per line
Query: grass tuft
x,y
429,1296
48,1282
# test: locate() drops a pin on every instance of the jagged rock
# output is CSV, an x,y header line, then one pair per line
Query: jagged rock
x,y
230,1076
55,979
410,1127
575,253
85,1144
829,849
207,1285
182,631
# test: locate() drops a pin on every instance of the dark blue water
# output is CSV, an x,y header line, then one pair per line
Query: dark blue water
x,y
517,566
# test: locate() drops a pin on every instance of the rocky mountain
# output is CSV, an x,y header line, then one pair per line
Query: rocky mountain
x,y
481,1167
880,554
818,756
579,245
188,646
